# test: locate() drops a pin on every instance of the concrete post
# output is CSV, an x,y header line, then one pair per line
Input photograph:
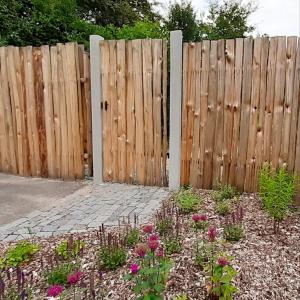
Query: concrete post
x,y
96,97
175,109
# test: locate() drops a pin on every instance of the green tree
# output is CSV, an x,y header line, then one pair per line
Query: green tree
x,y
228,20
182,16
116,12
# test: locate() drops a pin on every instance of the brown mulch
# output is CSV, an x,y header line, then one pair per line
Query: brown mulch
x,y
268,265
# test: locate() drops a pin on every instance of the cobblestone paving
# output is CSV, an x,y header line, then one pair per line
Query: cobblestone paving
x,y
87,209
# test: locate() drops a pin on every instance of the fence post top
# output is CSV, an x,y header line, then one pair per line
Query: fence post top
x,y
176,32
96,38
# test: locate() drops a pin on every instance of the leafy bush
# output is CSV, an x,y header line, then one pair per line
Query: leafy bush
x,y
187,200
203,251
233,227
20,253
70,248
225,192
112,257
223,207
132,237
276,190
59,274
172,245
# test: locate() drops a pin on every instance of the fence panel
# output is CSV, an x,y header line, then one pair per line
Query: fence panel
x,y
134,93
240,109
45,111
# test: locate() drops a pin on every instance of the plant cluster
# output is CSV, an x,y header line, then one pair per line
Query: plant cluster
x,y
233,227
187,200
18,254
276,189
70,249
132,233
150,273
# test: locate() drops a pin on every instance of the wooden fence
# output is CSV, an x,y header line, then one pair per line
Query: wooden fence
x,y
134,94
240,109
45,113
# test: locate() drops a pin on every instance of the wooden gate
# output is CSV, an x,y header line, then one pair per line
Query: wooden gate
x,y
134,94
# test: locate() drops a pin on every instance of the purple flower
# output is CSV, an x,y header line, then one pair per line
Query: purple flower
x,y
134,268
222,261
55,290
74,278
153,237
153,244
141,250
198,218
212,233
148,228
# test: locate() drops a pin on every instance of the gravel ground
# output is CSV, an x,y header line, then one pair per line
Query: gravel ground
x,y
268,265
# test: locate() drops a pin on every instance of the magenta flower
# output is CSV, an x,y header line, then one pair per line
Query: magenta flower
x,y
153,244
74,277
160,252
222,261
203,218
148,228
134,268
141,250
196,218
153,237
212,233
55,290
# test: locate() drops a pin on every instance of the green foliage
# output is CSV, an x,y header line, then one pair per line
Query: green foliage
x,y
151,279
132,237
187,200
112,257
224,192
68,250
12,293
163,226
20,253
172,245
59,274
181,297
233,232
222,282
276,190
223,207
203,252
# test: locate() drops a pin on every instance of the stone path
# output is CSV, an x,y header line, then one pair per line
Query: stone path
x,y
86,209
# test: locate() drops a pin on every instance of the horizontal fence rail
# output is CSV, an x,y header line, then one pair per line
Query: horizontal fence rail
x,y
240,109
45,122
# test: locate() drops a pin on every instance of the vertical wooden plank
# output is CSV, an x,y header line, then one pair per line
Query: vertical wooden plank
x,y
149,104
56,109
228,107
113,106
121,94
236,108
66,150
107,135
184,180
190,106
291,53
262,111
245,113
33,138
139,111
165,118
271,69
40,110
218,142
254,114
211,116
295,109
157,104
195,168
130,115
278,101
48,105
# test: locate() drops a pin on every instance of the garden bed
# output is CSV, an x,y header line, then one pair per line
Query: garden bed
x,y
267,264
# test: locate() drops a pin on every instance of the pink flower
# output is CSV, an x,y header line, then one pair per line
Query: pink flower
x,y
148,228
153,237
203,218
74,278
134,268
196,218
212,233
153,244
222,261
160,252
141,250
55,290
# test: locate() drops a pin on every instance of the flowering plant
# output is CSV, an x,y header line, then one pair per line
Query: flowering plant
x,y
150,273
200,221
